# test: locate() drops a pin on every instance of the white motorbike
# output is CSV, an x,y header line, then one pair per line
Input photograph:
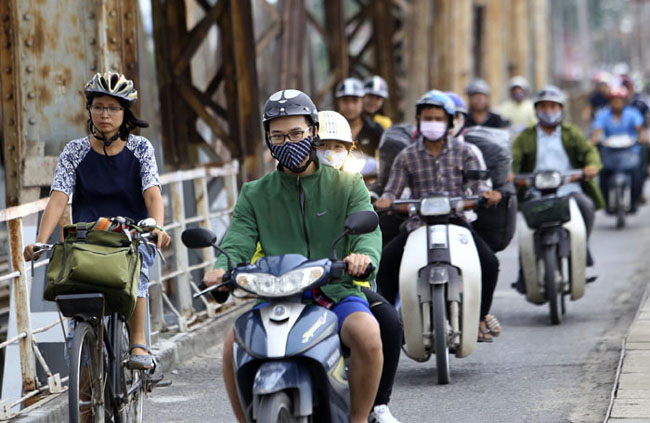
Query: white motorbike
x,y
440,284
552,242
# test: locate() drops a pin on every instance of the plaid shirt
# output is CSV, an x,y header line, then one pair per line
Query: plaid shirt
x,y
426,174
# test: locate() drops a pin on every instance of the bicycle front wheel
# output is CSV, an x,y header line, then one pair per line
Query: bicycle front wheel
x,y
84,393
132,381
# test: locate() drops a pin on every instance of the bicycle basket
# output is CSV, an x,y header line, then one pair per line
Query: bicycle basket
x,y
93,260
544,211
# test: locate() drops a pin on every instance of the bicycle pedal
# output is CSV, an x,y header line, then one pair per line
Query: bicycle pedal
x,y
163,384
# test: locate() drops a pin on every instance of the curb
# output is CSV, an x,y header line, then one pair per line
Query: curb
x,y
615,399
170,353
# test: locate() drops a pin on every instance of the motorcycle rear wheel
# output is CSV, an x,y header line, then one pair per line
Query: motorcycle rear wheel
x,y
276,408
440,333
553,294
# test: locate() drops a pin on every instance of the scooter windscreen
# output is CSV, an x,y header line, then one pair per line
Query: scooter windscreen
x,y
281,276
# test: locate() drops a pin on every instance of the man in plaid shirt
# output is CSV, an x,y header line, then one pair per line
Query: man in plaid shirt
x,y
434,163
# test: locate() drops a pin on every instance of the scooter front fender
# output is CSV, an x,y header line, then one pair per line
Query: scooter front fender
x,y
284,375
528,257
578,248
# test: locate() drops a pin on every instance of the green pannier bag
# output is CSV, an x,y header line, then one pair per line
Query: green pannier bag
x,y
93,260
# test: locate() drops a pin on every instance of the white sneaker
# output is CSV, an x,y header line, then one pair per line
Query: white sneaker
x,y
381,414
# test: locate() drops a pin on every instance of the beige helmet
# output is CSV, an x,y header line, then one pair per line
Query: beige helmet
x,y
333,126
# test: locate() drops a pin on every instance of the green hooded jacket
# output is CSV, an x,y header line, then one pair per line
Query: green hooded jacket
x,y
580,151
269,211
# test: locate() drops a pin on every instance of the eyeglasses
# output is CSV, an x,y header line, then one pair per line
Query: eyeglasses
x,y
112,110
294,136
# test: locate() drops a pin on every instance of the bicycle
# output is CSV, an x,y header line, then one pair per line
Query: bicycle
x,y
100,386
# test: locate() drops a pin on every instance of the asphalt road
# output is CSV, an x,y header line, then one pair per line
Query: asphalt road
x,y
533,372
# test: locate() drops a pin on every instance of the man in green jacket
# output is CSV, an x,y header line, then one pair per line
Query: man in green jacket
x,y
300,208
552,144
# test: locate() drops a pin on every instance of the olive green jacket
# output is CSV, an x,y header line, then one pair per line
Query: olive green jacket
x,y
580,151
269,211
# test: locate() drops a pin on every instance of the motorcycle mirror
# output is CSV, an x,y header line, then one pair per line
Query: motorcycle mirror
x,y
476,175
198,238
361,222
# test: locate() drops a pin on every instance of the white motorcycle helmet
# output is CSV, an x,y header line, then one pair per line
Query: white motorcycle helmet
x,y
333,126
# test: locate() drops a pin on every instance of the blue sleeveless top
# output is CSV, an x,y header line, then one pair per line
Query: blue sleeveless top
x,y
106,186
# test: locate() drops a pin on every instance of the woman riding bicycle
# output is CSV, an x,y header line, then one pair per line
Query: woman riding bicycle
x,y
111,172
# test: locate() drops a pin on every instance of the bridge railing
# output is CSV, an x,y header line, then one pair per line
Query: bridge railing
x,y
199,197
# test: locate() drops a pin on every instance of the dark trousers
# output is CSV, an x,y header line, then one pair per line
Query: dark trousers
x,y
391,259
391,339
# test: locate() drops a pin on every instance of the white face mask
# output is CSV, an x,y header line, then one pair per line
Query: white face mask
x,y
433,131
332,158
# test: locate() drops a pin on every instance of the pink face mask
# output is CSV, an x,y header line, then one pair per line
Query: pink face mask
x,y
433,131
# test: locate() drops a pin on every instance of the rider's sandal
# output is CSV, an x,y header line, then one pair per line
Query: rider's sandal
x,y
484,334
493,325
140,361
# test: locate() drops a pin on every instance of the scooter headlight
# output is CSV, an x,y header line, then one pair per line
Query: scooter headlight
x,y
548,180
436,206
267,285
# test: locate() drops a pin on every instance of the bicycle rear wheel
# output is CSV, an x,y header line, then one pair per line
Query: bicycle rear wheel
x,y
84,394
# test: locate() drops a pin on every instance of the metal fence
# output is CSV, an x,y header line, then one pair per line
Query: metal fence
x,y
189,202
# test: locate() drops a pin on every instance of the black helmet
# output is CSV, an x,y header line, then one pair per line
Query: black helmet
x,y
289,103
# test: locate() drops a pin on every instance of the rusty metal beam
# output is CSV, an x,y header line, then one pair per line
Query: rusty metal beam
x,y
244,84
383,31
196,36
169,18
11,94
336,40
293,43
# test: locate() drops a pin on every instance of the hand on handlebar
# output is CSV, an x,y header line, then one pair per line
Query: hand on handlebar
x,y
383,203
493,197
357,264
215,277
590,172
162,238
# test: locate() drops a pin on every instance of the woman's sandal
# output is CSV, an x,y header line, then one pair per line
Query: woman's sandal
x,y
140,361
484,334
493,325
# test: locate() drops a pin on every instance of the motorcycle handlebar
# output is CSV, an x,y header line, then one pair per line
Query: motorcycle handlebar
x,y
221,296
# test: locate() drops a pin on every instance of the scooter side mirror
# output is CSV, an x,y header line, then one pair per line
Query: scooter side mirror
x,y
198,238
361,222
476,175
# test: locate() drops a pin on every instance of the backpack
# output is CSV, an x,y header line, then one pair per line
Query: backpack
x,y
96,260
393,140
496,225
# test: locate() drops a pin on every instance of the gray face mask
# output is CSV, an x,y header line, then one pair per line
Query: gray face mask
x,y
550,118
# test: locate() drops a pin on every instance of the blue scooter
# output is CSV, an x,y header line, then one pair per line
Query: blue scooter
x,y
288,360
620,179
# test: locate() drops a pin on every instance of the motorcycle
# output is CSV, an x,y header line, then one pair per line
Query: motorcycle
x,y
288,361
553,242
621,158
440,283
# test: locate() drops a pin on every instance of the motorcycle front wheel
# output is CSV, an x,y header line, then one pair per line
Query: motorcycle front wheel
x,y
620,207
276,408
440,333
553,294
